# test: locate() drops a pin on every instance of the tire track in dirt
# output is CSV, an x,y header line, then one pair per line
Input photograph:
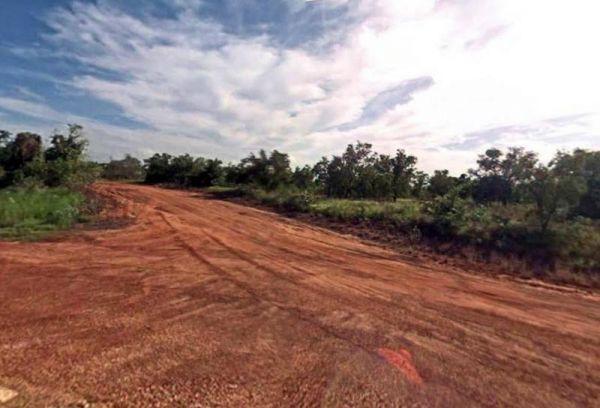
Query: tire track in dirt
x,y
199,302
295,312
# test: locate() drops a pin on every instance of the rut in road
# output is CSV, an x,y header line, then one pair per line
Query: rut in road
x,y
294,312
200,301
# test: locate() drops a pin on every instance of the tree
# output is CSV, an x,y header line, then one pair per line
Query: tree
x,y
492,188
441,183
268,171
303,177
129,168
4,138
519,165
158,168
279,171
555,190
4,153
320,171
589,205
403,169
586,165
71,147
362,173
351,175
420,183
25,148
64,160
205,173
180,169
500,177
23,158
254,169
233,173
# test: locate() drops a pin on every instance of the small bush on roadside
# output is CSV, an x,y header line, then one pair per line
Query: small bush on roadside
x,y
31,213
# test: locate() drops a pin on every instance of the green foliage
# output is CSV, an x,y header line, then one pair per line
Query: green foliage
x,y
579,242
71,174
509,203
183,170
303,177
441,183
452,218
24,161
401,211
32,213
556,191
584,165
362,173
501,177
158,169
286,199
448,213
129,168
267,171
68,148
205,173
18,153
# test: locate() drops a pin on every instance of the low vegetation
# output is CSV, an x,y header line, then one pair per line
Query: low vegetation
x,y
547,215
33,213
509,203
41,187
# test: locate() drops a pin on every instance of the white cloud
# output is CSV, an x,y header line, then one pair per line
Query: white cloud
x,y
513,64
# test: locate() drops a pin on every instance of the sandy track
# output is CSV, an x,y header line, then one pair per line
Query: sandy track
x,y
201,302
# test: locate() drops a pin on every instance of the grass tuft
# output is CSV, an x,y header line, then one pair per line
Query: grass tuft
x,y
31,214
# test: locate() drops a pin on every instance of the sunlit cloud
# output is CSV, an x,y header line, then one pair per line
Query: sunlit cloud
x,y
444,79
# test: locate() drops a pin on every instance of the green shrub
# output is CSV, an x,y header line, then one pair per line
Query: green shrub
x,y
69,173
400,211
449,214
298,202
578,241
30,213
129,168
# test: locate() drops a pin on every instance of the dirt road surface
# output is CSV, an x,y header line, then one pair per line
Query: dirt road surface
x,y
199,302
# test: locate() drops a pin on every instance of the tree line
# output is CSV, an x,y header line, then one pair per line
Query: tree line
x,y
569,185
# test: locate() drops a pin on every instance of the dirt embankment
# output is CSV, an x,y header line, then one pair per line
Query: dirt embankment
x,y
200,302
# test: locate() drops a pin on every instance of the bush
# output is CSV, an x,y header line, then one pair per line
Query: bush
x,y
291,199
448,214
31,213
183,170
298,202
399,212
578,242
71,174
129,168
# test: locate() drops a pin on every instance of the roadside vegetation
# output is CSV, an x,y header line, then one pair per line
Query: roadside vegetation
x,y
41,187
33,213
543,216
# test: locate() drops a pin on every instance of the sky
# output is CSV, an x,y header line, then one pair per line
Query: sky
x,y
442,79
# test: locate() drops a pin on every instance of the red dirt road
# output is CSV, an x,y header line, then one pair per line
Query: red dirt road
x,y
199,302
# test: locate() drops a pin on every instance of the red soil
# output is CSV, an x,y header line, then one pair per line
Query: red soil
x,y
402,360
199,302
